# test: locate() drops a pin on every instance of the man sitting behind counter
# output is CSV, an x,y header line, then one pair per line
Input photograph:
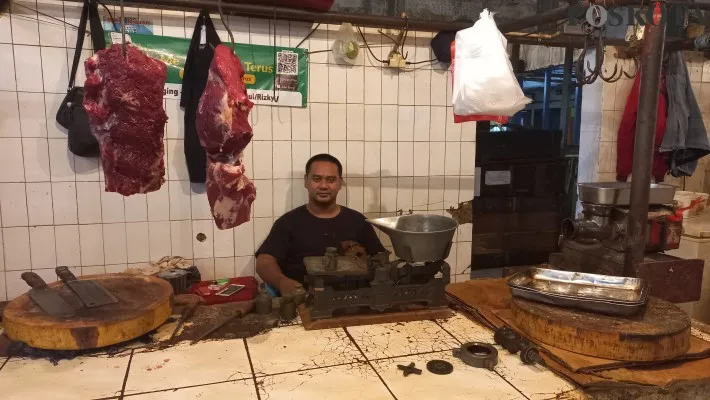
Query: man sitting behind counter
x,y
307,230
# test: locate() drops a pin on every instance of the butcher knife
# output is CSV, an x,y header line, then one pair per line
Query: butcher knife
x,y
46,298
91,293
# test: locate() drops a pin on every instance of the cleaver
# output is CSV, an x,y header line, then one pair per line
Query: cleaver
x,y
91,293
46,298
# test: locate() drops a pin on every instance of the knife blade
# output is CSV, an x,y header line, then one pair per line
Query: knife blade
x,y
46,298
91,293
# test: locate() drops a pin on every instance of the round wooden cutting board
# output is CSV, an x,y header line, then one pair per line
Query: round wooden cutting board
x,y
144,303
660,332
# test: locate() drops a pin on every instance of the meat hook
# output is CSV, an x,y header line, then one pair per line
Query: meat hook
x,y
226,25
636,69
123,31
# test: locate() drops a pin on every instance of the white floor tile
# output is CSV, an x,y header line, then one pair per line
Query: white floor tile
x,y
186,365
466,330
80,378
464,382
292,349
346,382
397,339
243,390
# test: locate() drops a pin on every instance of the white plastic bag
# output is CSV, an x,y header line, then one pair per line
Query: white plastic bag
x,y
484,82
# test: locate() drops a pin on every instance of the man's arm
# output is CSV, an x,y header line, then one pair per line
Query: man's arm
x,y
268,269
369,240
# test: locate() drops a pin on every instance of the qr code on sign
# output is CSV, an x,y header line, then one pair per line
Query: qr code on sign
x,y
287,63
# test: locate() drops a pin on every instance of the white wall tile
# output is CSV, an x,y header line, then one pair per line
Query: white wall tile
x,y
281,155
13,204
203,249
68,248
9,112
262,226
301,152
51,32
61,161
10,159
177,167
25,29
35,155
262,126
263,166
264,207
157,201
299,195
338,149
337,122
172,127
355,84
244,266
33,120
388,160
7,60
282,196
437,131
318,83
468,154
88,200
453,154
405,123
52,102
55,70
173,23
355,159
421,123
405,186
371,195
136,208
390,86
281,123
137,242
64,201
388,192
355,122
451,191
319,121
437,158
466,188
301,123
463,258
39,203
420,193
115,243
92,244
355,194
422,86
468,131
17,248
159,239
453,130
223,242
181,239
224,267
406,88
244,239
405,161
389,123
318,43
337,84
372,159
373,122
373,85
319,146
438,88
200,203
86,169
42,247
179,200
421,158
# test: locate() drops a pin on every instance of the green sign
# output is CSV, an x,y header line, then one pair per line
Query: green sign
x,y
264,66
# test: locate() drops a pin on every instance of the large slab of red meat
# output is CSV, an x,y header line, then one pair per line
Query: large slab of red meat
x,y
222,122
124,100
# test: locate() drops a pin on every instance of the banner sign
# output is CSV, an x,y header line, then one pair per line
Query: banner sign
x,y
286,68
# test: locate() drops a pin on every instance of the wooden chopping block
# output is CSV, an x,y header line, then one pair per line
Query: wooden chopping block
x,y
144,303
660,332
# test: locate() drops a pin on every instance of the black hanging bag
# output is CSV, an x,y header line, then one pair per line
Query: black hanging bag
x,y
71,114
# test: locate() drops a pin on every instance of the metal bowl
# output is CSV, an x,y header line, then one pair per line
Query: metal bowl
x,y
418,238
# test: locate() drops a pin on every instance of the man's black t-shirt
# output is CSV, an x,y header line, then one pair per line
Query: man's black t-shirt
x,y
298,234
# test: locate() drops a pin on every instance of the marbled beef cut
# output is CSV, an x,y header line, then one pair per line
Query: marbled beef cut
x,y
222,122
124,100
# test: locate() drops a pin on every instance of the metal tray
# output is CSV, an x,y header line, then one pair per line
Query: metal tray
x,y
597,293
619,193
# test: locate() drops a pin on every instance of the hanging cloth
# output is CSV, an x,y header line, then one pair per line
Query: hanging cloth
x,y
686,139
197,65
627,133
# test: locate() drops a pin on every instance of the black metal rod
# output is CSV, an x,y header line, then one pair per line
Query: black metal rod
x,y
651,60
566,83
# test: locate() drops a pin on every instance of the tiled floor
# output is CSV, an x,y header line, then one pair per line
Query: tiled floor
x,y
291,363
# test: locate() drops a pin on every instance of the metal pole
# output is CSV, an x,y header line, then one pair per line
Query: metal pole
x,y
651,60
566,82
577,115
546,93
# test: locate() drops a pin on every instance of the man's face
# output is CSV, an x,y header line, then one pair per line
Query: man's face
x,y
323,182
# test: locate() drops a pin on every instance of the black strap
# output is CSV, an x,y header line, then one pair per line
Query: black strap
x,y
89,12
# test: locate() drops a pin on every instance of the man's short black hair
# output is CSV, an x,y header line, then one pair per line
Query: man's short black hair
x,y
325,157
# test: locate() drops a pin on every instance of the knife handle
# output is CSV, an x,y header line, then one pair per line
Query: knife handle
x,y
35,281
65,274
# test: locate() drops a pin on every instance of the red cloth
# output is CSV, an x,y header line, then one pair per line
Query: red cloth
x,y
627,132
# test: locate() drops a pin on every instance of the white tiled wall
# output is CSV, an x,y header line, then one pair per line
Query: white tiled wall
x,y
392,131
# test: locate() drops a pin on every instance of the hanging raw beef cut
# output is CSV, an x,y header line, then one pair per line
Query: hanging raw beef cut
x,y
123,97
222,122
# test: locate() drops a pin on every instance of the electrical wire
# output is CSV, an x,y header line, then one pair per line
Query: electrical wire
x,y
307,36
226,25
368,46
110,15
44,15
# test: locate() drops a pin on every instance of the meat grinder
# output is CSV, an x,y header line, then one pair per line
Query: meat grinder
x,y
596,242
417,277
